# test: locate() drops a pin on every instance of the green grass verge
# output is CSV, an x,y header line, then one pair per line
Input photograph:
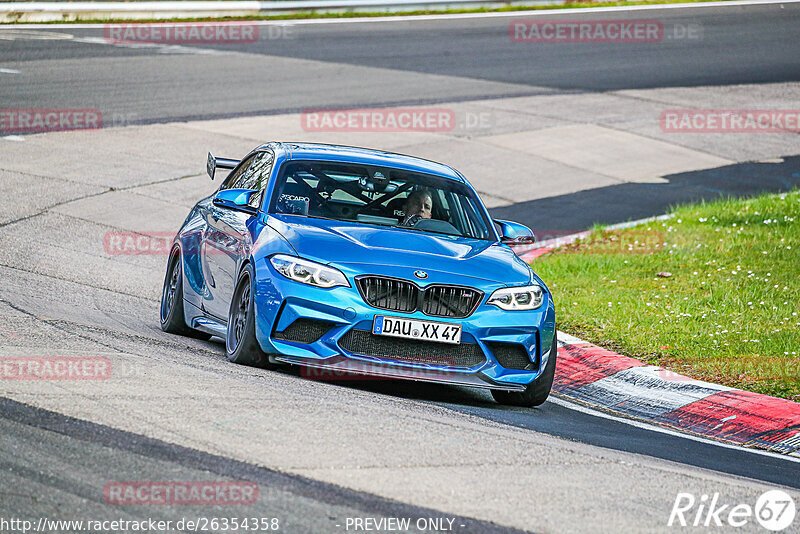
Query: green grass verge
x,y
352,14
725,307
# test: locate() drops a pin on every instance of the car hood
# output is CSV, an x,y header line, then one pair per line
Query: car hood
x,y
343,243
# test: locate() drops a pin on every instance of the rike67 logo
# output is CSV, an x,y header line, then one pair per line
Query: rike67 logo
x,y
774,510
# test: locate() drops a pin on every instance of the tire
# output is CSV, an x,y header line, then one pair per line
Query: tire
x,y
537,391
241,344
172,320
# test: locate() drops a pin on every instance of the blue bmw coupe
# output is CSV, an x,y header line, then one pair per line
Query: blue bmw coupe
x,y
351,260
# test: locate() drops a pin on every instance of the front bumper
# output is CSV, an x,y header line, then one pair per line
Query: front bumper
x,y
280,302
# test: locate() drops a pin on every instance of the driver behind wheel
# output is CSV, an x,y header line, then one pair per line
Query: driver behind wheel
x,y
419,205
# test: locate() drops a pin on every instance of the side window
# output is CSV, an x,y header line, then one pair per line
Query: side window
x,y
257,176
253,174
235,178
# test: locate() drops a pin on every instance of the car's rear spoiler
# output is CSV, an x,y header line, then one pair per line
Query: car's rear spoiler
x,y
219,163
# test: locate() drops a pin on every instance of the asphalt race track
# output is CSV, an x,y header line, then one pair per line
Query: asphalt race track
x,y
571,131
465,58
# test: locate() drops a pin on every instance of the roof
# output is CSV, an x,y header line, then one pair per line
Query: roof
x,y
367,156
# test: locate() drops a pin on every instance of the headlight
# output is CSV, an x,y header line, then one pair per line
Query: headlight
x,y
517,298
308,272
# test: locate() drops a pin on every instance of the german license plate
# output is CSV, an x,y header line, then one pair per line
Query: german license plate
x,y
415,329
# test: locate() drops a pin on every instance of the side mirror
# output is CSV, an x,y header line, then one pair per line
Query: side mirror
x,y
514,234
236,199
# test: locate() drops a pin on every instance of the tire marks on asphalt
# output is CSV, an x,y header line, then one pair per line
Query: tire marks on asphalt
x,y
338,502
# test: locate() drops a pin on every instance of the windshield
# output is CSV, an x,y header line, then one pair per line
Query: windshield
x,y
379,196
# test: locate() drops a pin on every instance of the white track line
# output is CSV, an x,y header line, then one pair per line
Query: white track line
x,y
454,16
656,428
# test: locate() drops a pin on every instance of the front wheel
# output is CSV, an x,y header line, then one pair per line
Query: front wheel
x,y
537,391
241,344
172,320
